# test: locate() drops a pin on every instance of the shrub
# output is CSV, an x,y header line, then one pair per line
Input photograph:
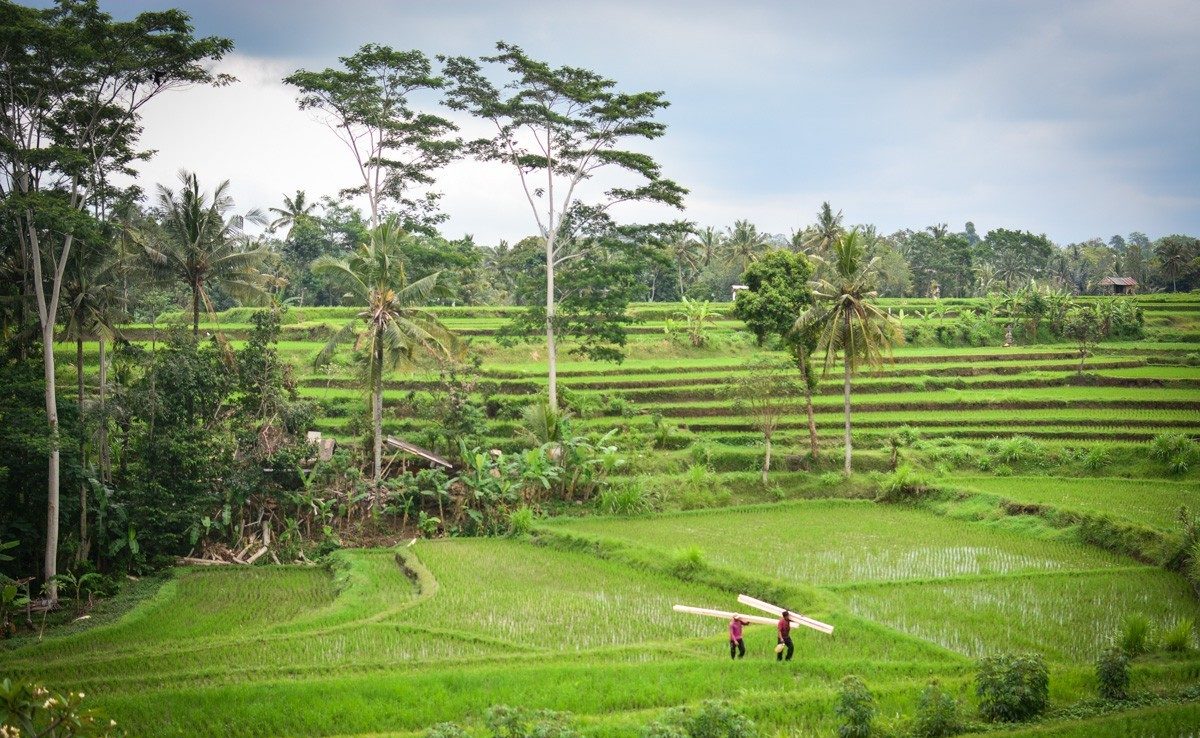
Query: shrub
x,y
31,710
1112,674
1020,449
688,561
1097,458
520,521
1012,687
712,719
630,498
1178,638
904,484
446,730
1176,450
855,708
517,722
1135,634
937,713
830,479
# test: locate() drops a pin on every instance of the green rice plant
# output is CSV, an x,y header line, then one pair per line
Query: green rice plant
x,y
1112,674
1012,687
843,541
1178,638
1067,617
855,708
1135,634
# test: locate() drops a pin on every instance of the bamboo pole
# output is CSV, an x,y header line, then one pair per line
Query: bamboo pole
x,y
722,614
796,618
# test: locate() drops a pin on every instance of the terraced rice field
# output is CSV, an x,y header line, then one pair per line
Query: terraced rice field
x,y
578,618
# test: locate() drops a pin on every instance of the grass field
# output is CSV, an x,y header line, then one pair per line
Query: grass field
x,y
381,642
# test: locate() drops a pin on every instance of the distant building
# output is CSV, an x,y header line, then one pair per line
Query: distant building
x,y
1119,285
736,289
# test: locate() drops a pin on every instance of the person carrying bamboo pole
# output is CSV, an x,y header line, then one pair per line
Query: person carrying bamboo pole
x,y
785,637
737,646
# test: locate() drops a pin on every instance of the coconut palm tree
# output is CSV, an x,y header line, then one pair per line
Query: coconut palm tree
x,y
847,320
294,210
392,330
710,240
688,255
743,244
206,247
828,229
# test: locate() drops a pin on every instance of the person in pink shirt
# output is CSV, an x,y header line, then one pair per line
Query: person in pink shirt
x,y
737,647
784,627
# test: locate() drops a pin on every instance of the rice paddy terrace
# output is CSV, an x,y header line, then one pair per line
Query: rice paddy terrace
x,y
1037,469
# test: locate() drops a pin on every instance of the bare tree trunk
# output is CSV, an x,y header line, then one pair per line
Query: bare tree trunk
x,y
766,467
846,393
52,487
377,408
814,449
102,430
84,544
551,346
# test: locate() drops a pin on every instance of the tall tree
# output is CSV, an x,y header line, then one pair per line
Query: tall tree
x,y
743,243
710,240
203,245
558,127
91,301
392,330
848,320
396,146
778,292
1016,255
827,230
295,210
764,390
75,83
1178,258
687,254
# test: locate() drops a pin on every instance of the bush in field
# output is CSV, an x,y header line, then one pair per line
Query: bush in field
x,y
687,562
903,485
1016,450
1096,458
712,719
1112,674
1178,452
520,521
937,713
1135,634
1012,687
630,498
517,722
855,708
446,730
1178,638
31,710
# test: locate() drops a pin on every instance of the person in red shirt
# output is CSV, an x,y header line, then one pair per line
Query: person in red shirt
x,y
785,637
737,647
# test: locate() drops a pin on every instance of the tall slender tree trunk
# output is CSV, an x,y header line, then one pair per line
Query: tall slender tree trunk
x,y
846,392
102,430
195,310
766,467
805,370
551,345
377,406
50,569
84,544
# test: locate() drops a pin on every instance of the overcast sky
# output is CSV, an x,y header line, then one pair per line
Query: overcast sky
x,y
1075,119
